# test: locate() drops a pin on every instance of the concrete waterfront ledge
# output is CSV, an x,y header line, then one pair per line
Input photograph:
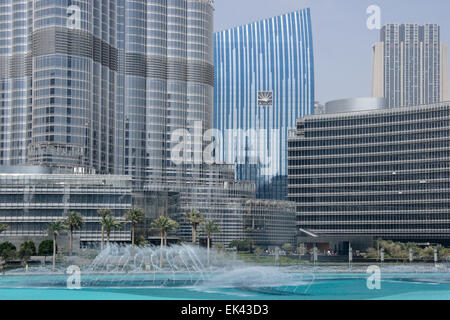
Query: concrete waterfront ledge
x,y
300,269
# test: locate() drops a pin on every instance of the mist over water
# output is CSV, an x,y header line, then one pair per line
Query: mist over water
x,y
192,268
124,266
173,259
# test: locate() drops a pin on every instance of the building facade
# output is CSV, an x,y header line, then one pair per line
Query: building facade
x,y
59,83
410,65
99,86
270,223
31,198
169,79
264,81
381,173
219,197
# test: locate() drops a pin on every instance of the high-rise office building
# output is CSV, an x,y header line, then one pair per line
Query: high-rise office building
x,y
410,65
169,79
100,85
59,83
264,81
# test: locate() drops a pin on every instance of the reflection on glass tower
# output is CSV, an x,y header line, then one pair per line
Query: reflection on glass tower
x,y
264,81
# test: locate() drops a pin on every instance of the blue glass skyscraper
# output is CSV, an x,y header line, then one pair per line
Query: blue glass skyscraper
x,y
264,81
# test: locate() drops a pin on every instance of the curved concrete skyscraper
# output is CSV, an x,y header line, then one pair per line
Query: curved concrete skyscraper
x,y
264,81
100,85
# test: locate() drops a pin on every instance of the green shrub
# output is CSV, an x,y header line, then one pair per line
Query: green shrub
x,y
427,253
287,247
398,250
259,251
141,241
28,246
25,254
371,253
242,245
7,251
46,248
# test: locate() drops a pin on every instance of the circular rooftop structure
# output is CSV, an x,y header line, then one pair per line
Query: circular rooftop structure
x,y
355,105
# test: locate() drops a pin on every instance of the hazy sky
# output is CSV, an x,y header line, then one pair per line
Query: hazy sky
x,y
342,41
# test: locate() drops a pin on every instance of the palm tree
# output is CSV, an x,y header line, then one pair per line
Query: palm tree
x,y
134,216
74,221
210,227
55,229
3,227
103,214
110,223
195,217
164,225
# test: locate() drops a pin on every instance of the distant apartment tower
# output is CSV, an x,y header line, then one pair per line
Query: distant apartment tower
x,y
410,65
264,81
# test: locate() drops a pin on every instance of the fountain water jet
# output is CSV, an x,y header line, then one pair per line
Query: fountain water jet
x,y
126,266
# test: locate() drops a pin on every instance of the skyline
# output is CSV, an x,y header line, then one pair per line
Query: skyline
x,y
334,51
153,158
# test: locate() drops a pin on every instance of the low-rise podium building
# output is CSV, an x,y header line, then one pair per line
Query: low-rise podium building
x,y
32,197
